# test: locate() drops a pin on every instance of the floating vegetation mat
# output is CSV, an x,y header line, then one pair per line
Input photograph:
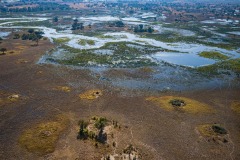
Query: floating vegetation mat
x,y
171,103
41,139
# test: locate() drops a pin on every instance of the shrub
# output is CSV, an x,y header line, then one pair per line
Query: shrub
x,y
83,132
218,129
30,30
3,50
100,123
177,102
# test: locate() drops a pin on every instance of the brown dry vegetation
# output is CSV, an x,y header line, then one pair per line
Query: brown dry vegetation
x,y
235,106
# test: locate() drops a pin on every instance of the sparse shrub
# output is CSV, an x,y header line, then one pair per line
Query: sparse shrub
x,y
177,102
114,144
218,129
129,149
96,144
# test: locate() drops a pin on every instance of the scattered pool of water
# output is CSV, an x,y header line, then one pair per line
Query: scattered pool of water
x,y
4,34
190,60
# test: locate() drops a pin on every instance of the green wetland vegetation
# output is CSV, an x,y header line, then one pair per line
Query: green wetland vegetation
x,y
213,55
124,55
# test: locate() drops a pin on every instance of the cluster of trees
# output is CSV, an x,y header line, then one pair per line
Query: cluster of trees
x,y
42,6
116,24
76,25
31,35
84,133
140,28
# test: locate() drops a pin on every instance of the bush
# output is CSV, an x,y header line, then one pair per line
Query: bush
x,y
177,102
100,123
30,30
218,129
3,50
83,132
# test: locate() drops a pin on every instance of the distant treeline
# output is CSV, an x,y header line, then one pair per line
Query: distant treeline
x,y
41,6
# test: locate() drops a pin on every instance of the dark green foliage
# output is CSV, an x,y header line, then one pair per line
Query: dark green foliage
x,y
100,123
76,25
141,28
30,30
177,103
101,137
218,129
34,35
91,135
119,24
83,132
3,50
150,30
55,19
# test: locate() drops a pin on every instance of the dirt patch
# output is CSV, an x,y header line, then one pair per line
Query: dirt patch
x,y
235,106
7,98
41,139
91,94
189,105
128,153
63,88
19,61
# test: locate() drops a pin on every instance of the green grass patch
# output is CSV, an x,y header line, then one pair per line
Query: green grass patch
x,y
37,23
61,40
213,55
84,42
105,37
222,67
